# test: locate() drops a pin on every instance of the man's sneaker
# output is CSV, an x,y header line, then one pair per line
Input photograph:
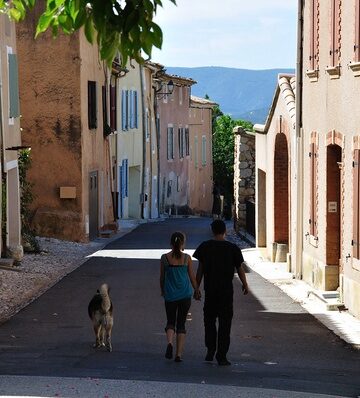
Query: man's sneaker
x,y
209,355
169,351
224,362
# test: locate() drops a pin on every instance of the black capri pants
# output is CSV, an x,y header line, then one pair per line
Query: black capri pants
x,y
176,312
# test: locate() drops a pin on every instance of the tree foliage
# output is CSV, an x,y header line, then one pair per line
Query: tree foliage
x,y
223,153
124,26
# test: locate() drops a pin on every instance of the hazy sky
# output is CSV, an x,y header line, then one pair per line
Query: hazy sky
x,y
251,34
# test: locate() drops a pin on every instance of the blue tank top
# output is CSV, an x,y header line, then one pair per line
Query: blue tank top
x,y
177,284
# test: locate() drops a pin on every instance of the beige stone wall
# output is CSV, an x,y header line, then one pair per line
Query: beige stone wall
x,y
10,138
329,104
244,174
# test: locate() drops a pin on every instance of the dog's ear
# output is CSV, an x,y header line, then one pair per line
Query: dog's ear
x,y
97,291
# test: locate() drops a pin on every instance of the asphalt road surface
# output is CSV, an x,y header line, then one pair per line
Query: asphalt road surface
x,y
277,349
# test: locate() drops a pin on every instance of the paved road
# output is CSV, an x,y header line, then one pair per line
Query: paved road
x,y
277,349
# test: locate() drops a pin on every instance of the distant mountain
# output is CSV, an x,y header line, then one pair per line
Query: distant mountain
x,y
241,93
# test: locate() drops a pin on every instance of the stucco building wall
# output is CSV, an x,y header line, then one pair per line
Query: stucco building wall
x,y
54,100
200,176
329,109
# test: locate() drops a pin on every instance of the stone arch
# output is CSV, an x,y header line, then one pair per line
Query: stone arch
x,y
281,189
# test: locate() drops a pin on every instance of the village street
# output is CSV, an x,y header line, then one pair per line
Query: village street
x,y
277,349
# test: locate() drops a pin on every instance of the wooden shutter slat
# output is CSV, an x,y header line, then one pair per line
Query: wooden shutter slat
x,y
312,34
356,176
357,31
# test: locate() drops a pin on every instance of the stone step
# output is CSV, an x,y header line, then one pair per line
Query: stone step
x,y
330,299
8,265
107,233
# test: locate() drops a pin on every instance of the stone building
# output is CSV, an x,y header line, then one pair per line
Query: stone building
x,y
64,96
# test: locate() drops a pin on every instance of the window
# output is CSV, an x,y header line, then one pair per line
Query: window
x,y
356,204
124,177
196,144
106,127
203,150
181,139
129,109
335,44
92,105
314,35
125,110
313,185
14,108
113,119
187,142
178,185
170,143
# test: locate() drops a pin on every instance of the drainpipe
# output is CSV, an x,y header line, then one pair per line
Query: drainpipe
x,y
143,202
299,143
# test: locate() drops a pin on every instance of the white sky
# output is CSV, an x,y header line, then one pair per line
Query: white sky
x,y
251,34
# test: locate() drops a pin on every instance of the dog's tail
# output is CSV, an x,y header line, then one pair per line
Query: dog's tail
x,y
106,302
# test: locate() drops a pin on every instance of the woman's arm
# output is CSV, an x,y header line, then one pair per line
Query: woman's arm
x,y
162,277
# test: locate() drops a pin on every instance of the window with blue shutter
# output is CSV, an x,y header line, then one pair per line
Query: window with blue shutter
x,y
135,109
14,108
127,110
131,109
125,178
123,110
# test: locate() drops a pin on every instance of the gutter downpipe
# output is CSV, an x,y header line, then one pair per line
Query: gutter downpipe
x,y
299,143
143,204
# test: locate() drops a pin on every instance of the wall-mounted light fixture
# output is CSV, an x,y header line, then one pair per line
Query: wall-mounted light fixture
x,y
170,89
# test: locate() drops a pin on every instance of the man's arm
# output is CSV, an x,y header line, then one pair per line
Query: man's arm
x,y
199,273
241,272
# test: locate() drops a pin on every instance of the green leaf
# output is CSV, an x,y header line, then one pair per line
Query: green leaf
x,y
89,29
15,14
43,24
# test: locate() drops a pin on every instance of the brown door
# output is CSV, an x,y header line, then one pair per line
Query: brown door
x,y
93,205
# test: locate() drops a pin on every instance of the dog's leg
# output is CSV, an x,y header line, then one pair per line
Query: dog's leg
x,y
109,325
97,330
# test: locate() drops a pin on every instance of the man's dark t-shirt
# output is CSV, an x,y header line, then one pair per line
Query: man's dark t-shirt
x,y
219,259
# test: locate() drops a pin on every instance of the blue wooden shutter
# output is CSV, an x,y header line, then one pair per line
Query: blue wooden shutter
x,y
127,110
136,109
123,110
13,86
131,109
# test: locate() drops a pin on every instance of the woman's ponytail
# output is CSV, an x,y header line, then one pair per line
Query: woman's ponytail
x,y
177,241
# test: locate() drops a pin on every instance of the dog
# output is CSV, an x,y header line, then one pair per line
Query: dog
x,y
100,311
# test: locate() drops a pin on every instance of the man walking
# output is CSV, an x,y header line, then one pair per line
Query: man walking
x,y
218,260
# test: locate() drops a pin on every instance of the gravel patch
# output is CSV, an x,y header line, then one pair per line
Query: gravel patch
x,y
38,272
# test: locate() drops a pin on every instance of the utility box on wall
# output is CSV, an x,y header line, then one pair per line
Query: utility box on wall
x,y
67,192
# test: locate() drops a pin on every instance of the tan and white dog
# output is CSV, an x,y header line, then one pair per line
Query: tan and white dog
x,y
100,311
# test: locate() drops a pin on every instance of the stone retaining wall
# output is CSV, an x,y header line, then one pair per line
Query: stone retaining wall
x,y
244,175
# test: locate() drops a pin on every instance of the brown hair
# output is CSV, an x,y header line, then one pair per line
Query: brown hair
x,y
176,241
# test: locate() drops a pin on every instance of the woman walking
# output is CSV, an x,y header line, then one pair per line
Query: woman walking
x,y
176,279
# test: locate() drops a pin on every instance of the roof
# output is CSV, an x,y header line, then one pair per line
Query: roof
x,y
286,87
201,101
